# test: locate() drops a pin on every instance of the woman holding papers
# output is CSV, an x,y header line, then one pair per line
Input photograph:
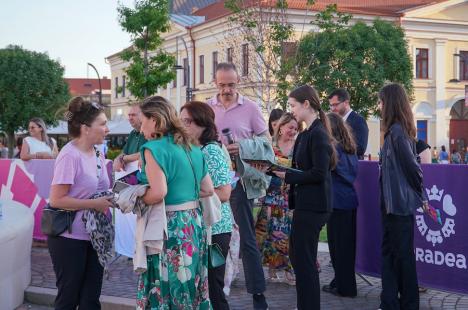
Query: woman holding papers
x,y
198,119
311,193
177,276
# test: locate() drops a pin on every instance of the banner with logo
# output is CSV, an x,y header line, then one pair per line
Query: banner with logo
x,y
441,235
28,182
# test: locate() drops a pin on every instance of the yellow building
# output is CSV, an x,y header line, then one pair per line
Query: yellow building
x,y
437,34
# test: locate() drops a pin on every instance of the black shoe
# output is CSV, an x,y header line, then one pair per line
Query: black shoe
x,y
259,302
330,289
334,291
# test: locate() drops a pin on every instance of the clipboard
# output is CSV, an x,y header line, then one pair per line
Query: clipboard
x,y
271,165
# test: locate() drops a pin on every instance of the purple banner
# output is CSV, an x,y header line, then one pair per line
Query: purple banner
x,y
441,237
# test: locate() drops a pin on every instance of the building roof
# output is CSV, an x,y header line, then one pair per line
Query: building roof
x,y
187,20
81,87
366,7
186,7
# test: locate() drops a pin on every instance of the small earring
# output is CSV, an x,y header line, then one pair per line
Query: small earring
x,y
280,132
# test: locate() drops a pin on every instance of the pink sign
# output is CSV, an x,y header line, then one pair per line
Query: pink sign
x,y
20,182
29,184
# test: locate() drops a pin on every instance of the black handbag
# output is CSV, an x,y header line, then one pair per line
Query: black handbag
x,y
55,221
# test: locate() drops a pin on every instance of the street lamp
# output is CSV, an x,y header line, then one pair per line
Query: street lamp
x,y
100,88
188,90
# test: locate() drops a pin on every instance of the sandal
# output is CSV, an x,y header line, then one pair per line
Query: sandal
x,y
289,277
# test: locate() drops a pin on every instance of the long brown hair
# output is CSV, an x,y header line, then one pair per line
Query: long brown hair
x,y
396,108
167,122
306,92
202,115
342,133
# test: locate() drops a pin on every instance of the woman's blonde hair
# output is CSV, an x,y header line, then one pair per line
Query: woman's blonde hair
x,y
167,121
45,138
283,120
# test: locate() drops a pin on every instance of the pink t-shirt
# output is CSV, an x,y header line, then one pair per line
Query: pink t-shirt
x,y
244,118
80,171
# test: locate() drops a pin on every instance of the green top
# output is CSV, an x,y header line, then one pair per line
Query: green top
x,y
218,168
134,142
173,160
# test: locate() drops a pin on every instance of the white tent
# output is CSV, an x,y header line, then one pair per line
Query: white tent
x,y
117,126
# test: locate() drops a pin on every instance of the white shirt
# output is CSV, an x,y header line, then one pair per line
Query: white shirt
x,y
345,118
37,146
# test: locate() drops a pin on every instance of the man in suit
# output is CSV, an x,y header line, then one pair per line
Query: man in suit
x,y
339,103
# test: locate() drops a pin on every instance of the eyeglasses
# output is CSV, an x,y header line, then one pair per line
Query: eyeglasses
x,y
187,121
333,105
33,127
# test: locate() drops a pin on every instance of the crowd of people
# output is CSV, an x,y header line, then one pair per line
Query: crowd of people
x,y
191,156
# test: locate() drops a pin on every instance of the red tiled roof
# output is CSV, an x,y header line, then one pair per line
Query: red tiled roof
x,y
81,87
365,7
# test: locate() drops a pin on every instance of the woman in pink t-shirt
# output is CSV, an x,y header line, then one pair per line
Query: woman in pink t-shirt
x,y
78,174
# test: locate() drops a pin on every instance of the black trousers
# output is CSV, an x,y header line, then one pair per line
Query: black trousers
x,y
303,242
341,232
251,258
399,278
78,272
216,275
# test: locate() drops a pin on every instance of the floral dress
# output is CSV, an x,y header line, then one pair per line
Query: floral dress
x,y
274,220
177,278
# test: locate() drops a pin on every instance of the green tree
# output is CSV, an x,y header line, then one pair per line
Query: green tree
x,y
31,85
360,58
150,67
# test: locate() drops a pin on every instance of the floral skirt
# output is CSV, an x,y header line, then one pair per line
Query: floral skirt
x,y
273,228
178,277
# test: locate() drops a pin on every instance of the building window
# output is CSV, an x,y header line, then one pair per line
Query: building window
x,y
202,69
123,85
245,59
230,53
422,63
185,71
464,65
215,63
116,87
422,130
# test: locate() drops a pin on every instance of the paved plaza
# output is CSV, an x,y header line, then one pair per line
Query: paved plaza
x,y
121,282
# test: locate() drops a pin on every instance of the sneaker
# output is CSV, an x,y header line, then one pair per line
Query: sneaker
x,y
259,302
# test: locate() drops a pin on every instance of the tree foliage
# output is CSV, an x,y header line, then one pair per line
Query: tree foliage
x,y
265,26
360,58
31,85
150,67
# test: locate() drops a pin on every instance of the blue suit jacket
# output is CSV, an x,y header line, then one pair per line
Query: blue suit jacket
x,y
360,131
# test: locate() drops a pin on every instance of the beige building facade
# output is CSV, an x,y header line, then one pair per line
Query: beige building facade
x,y
437,37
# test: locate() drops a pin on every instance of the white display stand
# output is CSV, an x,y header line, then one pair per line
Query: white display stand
x,y
125,233
16,230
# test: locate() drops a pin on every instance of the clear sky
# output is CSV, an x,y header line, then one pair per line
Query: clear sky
x,y
74,32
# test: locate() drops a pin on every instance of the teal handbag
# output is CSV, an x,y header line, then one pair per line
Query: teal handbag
x,y
215,256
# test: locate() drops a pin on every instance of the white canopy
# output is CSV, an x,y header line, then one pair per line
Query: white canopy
x,y
117,126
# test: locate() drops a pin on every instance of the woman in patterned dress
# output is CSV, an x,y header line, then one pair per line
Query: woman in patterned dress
x,y
176,278
198,119
274,219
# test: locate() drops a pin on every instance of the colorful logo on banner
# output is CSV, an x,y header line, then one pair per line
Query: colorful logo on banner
x,y
436,225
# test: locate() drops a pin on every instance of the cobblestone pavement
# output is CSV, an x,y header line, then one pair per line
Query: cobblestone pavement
x,y
122,281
